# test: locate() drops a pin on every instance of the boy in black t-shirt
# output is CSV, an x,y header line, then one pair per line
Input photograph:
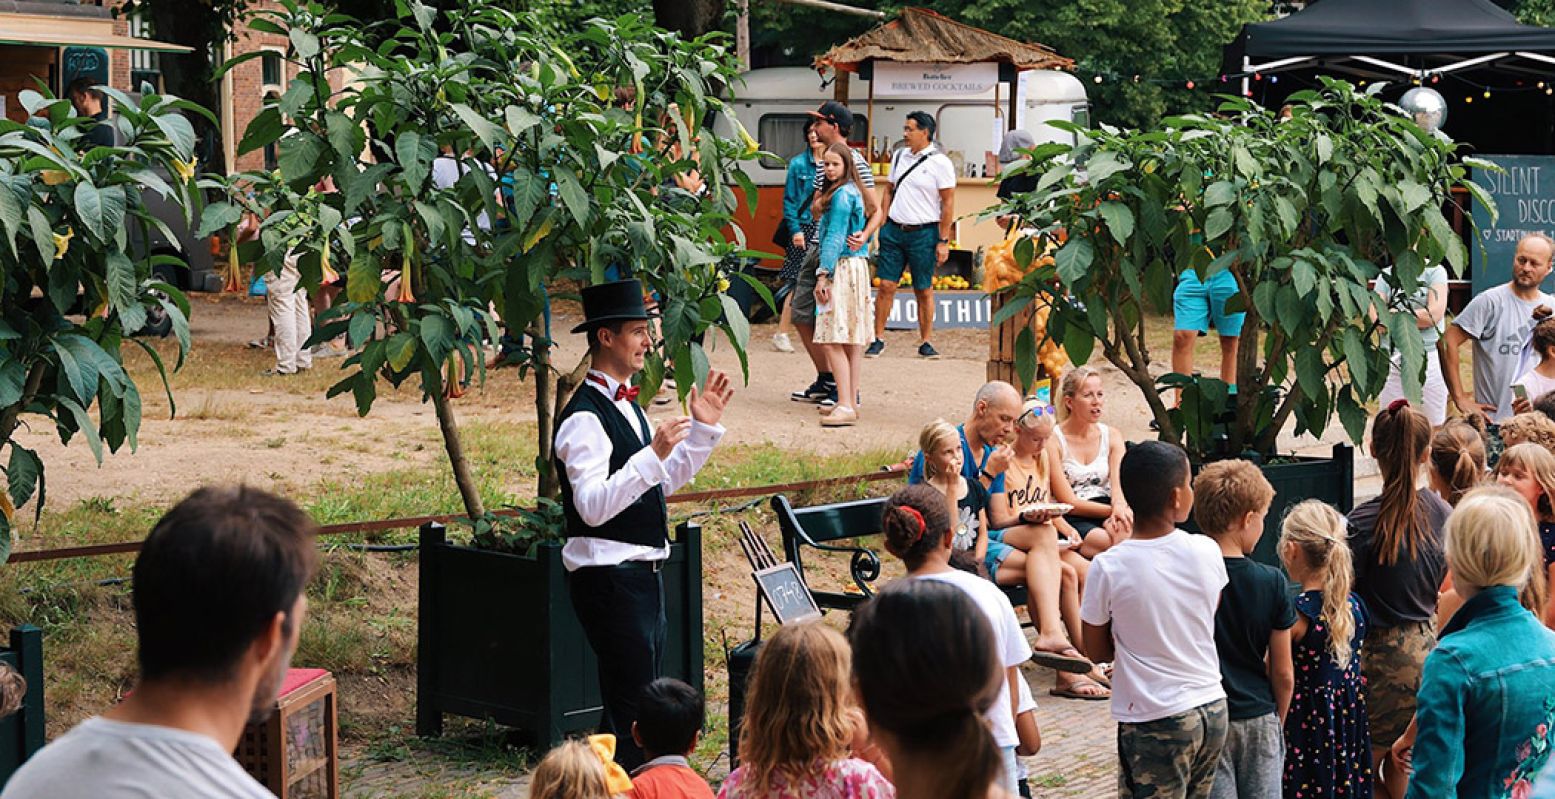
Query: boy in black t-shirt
x,y
1252,630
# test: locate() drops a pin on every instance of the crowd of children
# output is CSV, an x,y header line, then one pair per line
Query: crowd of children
x,y
1403,651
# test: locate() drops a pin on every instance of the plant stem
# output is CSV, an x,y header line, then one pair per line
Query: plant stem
x,y
11,417
449,427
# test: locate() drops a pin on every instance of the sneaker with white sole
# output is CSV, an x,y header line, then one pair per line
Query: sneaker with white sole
x,y
875,348
781,342
815,392
926,350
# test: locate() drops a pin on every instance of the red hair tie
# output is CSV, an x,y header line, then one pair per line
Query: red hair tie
x,y
922,526
1396,404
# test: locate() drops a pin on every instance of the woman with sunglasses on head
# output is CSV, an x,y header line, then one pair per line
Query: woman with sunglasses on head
x,y
1044,557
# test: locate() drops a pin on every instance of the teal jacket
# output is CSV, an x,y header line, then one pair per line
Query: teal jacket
x,y
798,189
844,216
1486,702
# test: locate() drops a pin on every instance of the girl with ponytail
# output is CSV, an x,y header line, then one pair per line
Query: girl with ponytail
x,y
1457,460
917,528
797,729
1400,564
1327,738
927,672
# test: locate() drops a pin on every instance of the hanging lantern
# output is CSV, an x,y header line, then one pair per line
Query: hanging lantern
x,y
1426,107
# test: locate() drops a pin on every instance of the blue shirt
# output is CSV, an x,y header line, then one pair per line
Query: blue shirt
x,y
1487,701
970,466
844,216
798,190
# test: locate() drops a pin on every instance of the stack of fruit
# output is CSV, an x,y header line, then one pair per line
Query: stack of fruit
x,y
1049,354
951,282
1000,268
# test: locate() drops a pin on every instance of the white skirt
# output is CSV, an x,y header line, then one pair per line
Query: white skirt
x,y
849,320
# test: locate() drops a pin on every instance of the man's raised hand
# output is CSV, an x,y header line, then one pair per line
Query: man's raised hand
x,y
670,433
707,405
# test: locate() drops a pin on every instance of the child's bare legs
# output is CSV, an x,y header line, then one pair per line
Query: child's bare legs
x,y
1082,567
1040,570
1069,603
1095,542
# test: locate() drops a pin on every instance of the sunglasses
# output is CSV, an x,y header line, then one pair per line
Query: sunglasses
x,y
1037,412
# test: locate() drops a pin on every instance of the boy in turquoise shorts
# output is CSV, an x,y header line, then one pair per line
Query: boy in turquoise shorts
x,y
1195,305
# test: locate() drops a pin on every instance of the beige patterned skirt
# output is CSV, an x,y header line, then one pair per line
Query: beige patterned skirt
x,y
850,319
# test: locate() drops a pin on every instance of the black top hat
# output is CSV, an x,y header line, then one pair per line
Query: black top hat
x,y
618,301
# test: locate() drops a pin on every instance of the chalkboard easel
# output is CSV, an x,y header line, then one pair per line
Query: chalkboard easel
x,y
786,594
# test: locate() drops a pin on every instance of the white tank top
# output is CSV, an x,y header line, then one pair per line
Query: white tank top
x,y
1091,481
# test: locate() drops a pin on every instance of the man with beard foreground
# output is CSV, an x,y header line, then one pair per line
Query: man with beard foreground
x,y
1500,323
218,595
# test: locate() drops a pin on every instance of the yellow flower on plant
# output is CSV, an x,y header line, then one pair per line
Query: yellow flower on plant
x,y
62,243
54,177
723,284
185,169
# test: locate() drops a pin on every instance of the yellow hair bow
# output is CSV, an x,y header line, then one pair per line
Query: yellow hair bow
x,y
616,779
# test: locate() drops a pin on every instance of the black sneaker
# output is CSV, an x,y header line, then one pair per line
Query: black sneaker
x,y
831,399
1023,788
817,391
875,348
926,350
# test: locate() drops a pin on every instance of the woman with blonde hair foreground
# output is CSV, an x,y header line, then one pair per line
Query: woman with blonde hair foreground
x,y
1487,696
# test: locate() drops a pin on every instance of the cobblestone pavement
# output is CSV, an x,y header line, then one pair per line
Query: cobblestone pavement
x,y
1077,761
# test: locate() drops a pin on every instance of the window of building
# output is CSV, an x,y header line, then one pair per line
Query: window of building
x,y
270,69
145,65
783,135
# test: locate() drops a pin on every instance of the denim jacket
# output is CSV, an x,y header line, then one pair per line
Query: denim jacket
x,y
798,190
844,216
1486,702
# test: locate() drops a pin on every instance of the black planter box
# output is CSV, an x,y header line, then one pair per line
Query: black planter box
x,y
21,734
1331,480
497,637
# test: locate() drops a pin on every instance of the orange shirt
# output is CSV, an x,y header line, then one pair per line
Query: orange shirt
x,y
669,781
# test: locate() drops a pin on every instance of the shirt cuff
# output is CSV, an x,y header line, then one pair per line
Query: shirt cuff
x,y
705,434
648,466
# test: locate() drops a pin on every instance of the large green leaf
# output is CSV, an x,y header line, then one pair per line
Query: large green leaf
x,y
22,474
573,195
1078,344
415,155
1120,220
1073,259
1025,359
121,282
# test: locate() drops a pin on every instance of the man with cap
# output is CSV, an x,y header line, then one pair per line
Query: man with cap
x,y
833,123
615,474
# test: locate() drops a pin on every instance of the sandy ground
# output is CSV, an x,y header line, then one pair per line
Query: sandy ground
x,y
275,433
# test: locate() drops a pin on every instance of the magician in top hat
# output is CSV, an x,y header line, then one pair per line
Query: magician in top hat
x,y
616,471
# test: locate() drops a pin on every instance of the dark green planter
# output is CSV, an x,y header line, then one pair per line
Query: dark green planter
x,y
21,734
497,637
1331,480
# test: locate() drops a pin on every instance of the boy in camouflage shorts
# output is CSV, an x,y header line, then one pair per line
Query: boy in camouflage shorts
x,y
1149,607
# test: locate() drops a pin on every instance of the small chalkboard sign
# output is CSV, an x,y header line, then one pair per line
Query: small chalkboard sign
x,y
787,594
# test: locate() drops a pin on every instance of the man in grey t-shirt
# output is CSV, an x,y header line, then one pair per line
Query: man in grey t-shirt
x,y
218,596
1499,321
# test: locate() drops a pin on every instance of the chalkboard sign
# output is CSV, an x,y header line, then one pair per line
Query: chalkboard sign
x,y
1525,197
787,594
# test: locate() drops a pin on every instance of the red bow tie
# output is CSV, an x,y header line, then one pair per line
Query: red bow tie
x,y
623,391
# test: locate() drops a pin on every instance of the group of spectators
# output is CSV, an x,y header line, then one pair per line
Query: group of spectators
x,y
831,213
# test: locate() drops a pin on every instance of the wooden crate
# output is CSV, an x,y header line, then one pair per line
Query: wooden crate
x,y
295,751
1001,341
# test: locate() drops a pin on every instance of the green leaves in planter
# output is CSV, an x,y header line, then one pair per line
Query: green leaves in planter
x,y
1303,214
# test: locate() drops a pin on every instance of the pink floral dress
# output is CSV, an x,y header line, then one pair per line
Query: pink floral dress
x,y
839,779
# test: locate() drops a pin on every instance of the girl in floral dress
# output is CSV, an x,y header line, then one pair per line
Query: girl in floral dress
x,y
799,723
1327,738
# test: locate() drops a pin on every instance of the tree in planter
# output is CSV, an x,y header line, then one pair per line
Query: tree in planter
x,y
66,211
588,130
1304,213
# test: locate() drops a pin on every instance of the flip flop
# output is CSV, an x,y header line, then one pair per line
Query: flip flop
x,y
1068,661
1072,691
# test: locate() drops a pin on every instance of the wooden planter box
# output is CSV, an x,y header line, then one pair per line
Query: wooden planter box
x,y
497,637
1331,480
1001,341
295,751
21,734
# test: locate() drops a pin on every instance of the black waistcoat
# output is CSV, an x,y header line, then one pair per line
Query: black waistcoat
x,y
642,522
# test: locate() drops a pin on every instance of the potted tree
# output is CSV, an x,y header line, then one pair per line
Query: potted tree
x,y
1305,212
567,145
77,289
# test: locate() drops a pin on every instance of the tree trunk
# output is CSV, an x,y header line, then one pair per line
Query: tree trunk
x,y
449,427
546,411
689,18
11,417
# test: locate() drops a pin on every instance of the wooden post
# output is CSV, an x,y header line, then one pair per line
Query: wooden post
x,y
742,35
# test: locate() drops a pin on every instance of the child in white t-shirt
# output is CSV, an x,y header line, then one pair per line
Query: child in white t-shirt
x,y
1149,607
1540,378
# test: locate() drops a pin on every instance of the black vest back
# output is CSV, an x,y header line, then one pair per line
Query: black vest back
x,y
643,522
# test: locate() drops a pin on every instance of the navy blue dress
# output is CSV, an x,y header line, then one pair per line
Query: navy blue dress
x,y
1327,739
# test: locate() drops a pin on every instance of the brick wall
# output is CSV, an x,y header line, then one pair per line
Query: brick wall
x,y
248,87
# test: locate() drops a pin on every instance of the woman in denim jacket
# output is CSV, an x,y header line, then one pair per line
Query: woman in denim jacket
x,y
1487,696
797,227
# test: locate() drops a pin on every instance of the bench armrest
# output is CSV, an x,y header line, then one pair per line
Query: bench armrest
x,y
863,563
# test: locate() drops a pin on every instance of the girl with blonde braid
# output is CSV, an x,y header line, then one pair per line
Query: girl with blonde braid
x,y
1327,736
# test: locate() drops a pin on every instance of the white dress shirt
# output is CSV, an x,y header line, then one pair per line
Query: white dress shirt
x,y
597,495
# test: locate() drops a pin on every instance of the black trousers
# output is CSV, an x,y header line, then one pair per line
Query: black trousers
x,y
622,612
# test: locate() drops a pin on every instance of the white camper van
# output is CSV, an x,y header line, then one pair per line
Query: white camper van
x,y
968,101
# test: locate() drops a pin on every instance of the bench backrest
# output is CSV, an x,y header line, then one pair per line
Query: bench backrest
x,y
821,527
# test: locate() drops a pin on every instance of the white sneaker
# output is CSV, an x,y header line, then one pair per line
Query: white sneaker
x,y
781,342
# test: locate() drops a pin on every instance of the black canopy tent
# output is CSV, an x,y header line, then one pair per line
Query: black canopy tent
x,y
1459,47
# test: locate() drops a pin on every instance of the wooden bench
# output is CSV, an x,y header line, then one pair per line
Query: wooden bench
x,y
833,528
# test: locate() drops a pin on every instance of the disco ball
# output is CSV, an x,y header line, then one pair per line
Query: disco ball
x,y
1426,107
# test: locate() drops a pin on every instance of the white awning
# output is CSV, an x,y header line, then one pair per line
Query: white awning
x,y
41,30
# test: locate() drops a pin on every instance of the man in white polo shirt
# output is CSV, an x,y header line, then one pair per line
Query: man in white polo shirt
x,y
916,208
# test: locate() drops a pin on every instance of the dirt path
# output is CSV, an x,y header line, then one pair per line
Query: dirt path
x,y
233,425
